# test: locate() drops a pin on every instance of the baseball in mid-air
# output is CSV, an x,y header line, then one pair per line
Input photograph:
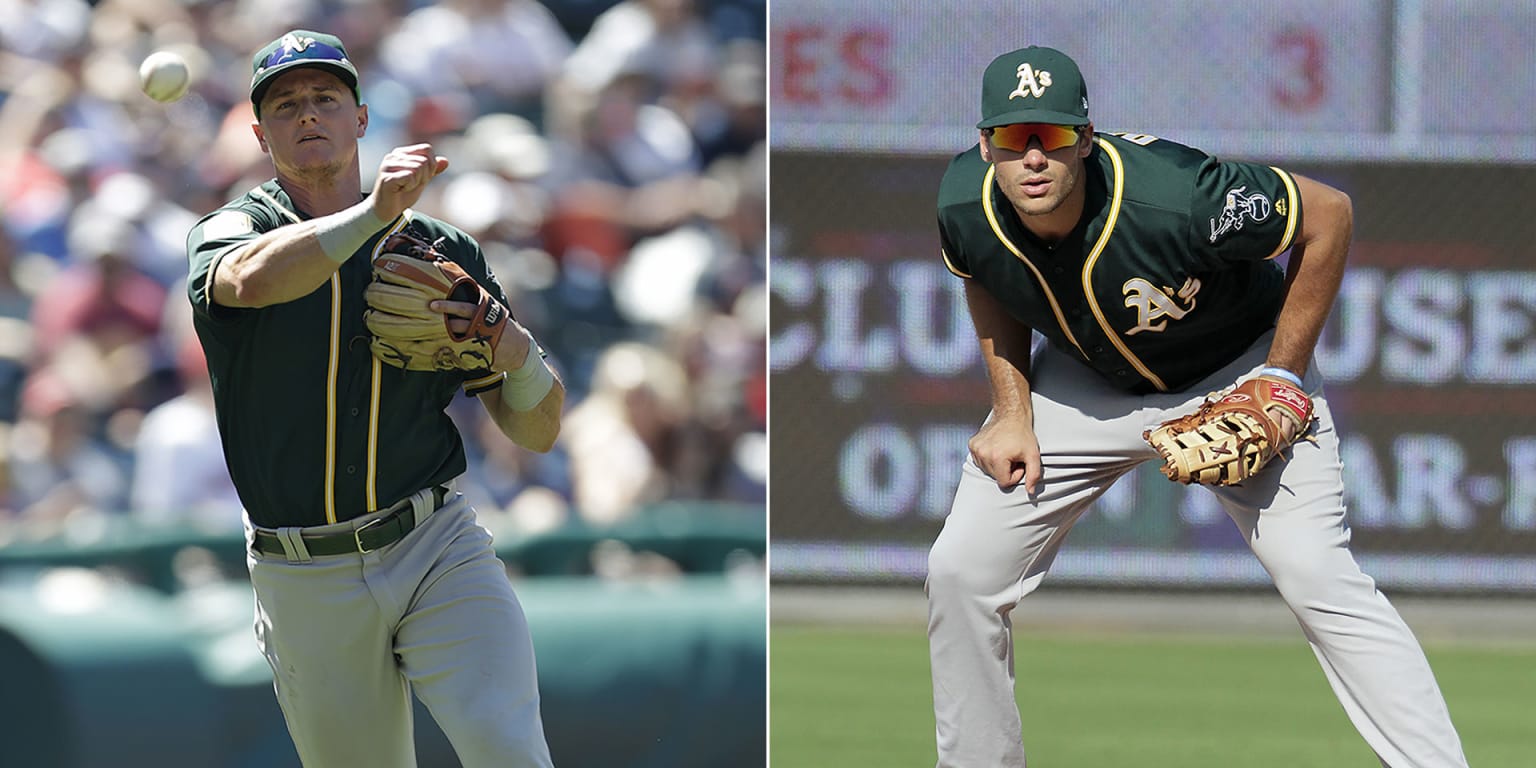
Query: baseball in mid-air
x,y
164,76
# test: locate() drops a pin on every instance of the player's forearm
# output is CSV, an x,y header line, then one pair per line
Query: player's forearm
x,y
535,428
1313,276
292,261
1008,375
1004,351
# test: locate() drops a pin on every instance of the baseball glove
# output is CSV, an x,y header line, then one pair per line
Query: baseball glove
x,y
1229,439
408,274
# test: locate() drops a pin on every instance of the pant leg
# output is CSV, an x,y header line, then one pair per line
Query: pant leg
x,y
1293,517
329,645
464,644
995,548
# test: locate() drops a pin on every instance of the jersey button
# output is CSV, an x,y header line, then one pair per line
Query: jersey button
x,y
354,411
351,469
1117,373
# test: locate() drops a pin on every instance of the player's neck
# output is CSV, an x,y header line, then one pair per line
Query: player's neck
x,y
322,194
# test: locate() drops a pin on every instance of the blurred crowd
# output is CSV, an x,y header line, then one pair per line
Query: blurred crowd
x,y
609,156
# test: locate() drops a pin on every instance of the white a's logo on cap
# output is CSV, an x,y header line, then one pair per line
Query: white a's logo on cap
x,y
292,42
1031,82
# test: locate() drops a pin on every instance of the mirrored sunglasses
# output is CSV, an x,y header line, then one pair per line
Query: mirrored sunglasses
x,y
1015,137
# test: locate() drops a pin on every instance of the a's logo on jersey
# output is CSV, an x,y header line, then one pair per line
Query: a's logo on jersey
x,y
1032,82
1240,208
1153,304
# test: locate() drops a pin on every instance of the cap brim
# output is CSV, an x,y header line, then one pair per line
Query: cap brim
x,y
1033,116
259,87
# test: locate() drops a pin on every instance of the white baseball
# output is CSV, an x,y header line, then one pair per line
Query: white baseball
x,y
164,76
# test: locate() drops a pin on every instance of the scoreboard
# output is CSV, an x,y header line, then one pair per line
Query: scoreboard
x,y
1305,79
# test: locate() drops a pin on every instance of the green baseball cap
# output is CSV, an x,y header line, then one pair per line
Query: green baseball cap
x,y
300,48
1033,85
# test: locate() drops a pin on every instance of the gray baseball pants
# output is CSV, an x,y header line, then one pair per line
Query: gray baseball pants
x,y
997,545
350,637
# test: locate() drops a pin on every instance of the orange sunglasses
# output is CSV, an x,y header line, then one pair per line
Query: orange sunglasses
x,y
1015,137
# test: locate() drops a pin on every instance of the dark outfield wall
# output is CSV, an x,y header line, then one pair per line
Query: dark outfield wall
x,y
1429,354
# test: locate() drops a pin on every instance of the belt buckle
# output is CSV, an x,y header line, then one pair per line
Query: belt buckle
x,y
357,534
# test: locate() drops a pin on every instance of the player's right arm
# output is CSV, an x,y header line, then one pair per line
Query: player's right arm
x,y
293,260
1005,447
281,265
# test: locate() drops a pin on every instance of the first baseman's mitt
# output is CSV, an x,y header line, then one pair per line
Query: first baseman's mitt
x,y
1228,440
409,273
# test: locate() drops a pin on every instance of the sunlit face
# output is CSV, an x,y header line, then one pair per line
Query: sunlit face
x,y
310,123
1037,181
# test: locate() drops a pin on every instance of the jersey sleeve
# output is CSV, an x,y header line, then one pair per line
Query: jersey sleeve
x,y
959,192
213,237
954,259
1244,211
470,256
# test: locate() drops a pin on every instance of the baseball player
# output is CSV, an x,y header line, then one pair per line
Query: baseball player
x,y
1148,269
372,577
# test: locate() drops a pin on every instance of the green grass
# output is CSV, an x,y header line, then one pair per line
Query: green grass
x,y
851,697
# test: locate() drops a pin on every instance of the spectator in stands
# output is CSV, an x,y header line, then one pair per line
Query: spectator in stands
x,y
499,54
15,330
725,106
60,471
624,168
97,320
179,474
572,146
663,41
622,438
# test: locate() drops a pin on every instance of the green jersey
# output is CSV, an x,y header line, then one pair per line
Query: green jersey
x,y
1169,275
315,430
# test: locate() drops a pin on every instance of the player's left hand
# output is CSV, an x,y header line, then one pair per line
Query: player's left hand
x,y
458,313
462,333
1229,439
512,346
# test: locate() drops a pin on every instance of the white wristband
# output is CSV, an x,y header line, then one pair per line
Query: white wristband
x,y
527,386
343,232
1280,373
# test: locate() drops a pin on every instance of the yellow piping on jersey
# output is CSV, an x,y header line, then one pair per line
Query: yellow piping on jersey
x,y
986,205
949,265
330,373
484,380
371,489
1116,196
1295,212
332,365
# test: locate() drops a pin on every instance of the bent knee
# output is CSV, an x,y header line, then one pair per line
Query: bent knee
x,y
1306,584
946,567
488,743
958,572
